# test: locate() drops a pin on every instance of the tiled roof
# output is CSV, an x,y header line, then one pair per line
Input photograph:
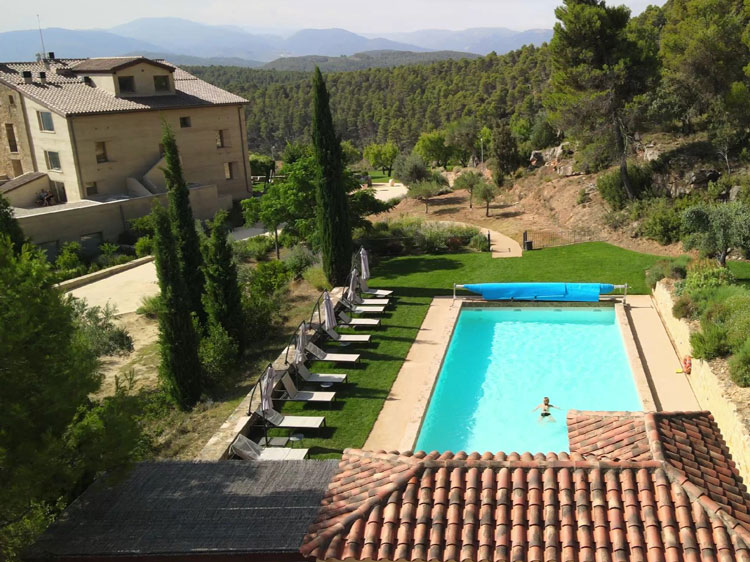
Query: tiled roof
x,y
113,63
683,501
619,436
21,180
691,443
66,93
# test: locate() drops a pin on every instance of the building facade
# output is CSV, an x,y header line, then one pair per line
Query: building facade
x,y
80,133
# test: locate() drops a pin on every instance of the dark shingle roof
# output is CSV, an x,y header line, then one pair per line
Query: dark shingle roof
x,y
184,507
113,63
67,94
673,494
18,181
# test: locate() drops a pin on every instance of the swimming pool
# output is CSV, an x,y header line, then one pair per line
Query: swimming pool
x,y
501,363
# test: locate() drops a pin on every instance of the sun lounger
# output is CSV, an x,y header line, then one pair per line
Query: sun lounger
x,y
372,302
250,451
360,309
347,338
292,393
335,357
377,292
292,422
328,378
347,320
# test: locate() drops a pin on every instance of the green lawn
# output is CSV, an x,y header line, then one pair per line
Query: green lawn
x,y
378,176
416,279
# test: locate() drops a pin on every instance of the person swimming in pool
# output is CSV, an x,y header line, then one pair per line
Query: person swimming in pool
x,y
545,414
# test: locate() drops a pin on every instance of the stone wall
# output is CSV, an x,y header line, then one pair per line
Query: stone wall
x,y
711,390
13,114
64,223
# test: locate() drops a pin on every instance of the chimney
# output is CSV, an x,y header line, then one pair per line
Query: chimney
x,y
27,77
43,78
51,55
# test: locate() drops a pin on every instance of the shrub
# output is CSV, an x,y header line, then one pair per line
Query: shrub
x,y
479,242
268,278
612,191
664,269
260,311
413,235
144,246
705,274
218,354
97,326
410,168
255,248
739,365
317,278
738,320
683,307
299,258
662,223
69,262
583,197
616,219
710,342
150,307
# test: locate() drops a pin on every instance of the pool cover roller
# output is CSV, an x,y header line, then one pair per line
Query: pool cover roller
x,y
556,292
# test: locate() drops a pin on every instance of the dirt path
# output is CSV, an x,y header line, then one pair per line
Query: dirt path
x,y
124,290
142,363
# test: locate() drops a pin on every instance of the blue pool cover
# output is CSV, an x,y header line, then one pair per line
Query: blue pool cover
x,y
575,292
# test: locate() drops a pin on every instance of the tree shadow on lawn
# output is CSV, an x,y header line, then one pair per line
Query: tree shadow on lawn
x,y
445,211
394,268
421,292
442,202
506,215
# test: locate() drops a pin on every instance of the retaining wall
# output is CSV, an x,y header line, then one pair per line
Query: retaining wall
x,y
711,390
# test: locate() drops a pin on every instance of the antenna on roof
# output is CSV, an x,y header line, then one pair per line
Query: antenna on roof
x,y
39,25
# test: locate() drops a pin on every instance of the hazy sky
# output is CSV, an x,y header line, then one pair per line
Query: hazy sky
x,y
355,15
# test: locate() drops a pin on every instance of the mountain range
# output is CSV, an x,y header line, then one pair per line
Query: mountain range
x,y
187,42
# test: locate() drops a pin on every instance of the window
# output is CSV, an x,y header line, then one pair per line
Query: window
x,y
58,190
228,170
101,152
126,84
220,139
161,83
11,134
90,243
185,122
17,168
11,101
45,121
53,160
51,248
91,188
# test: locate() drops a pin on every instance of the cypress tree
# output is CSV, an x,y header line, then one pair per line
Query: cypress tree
x,y
332,205
179,370
222,299
183,224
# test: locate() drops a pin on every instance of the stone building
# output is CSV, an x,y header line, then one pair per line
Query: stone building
x,y
80,149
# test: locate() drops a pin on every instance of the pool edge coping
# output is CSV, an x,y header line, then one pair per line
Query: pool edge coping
x,y
412,423
641,381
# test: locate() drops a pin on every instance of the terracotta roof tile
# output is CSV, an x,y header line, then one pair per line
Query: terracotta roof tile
x,y
67,94
615,435
692,443
634,487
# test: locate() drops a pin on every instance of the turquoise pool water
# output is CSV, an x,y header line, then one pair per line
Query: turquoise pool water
x,y
501,363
